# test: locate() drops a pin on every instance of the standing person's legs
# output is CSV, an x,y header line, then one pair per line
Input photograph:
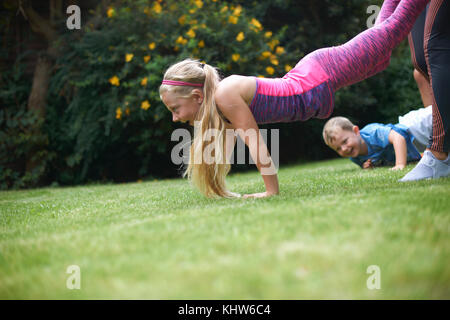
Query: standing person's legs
x,y
436,162
420,73
415,40
437,54
426,94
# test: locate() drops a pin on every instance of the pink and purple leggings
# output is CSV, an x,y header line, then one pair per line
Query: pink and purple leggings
x,y
430,52
369,52
308,90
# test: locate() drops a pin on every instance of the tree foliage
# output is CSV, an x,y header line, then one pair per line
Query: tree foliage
x,y
105,120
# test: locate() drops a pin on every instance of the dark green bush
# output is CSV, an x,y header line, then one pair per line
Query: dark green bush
x,y
24,153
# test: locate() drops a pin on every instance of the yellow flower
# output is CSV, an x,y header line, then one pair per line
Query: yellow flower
x,y
129,57
270,70
191,33
287,68
256,24
235,57
240,36
266,54
182,19
151,46
279,50
144,82
273,43
181,40
201,44
157,7
232,19
114,81
274,61
118,113
192,11
224,9
147,10
145,105
268,34
237,11
127,111
199,3
111,12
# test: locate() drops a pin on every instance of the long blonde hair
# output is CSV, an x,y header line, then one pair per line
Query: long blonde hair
x,y
209,178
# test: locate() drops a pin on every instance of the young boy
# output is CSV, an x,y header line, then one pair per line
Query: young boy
x,y
381,144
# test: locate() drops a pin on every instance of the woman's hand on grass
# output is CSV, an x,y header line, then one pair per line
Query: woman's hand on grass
x,y
258,195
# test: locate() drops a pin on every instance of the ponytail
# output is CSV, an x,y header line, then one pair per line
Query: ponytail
x,y
208,178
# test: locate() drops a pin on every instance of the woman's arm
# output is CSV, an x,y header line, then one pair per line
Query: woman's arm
x,y
236,110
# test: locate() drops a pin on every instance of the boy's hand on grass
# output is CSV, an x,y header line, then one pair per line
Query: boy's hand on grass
x,y
258,195
368,164
398,167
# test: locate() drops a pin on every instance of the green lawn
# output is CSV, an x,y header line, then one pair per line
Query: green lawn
x,y
162,240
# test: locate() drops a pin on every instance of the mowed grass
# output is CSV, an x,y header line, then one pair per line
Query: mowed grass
x,y
162,240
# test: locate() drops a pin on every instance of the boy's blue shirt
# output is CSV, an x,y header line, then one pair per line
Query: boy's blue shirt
x,y
380,150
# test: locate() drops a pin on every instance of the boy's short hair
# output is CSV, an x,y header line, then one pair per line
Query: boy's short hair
x,y
331,126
